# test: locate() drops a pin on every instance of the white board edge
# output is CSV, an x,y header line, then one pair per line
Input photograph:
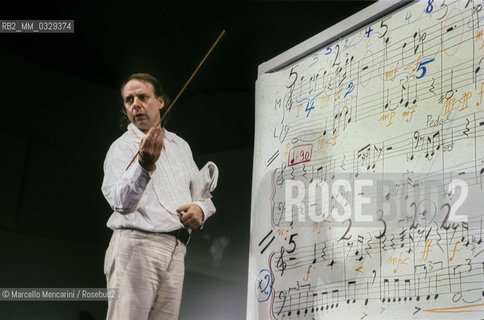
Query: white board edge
x,y
333,33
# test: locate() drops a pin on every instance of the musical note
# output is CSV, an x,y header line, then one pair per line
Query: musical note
x,y
396,287
465,232
407,290
334,298
353,295
418,41
323,295
359,250
433,143
386,289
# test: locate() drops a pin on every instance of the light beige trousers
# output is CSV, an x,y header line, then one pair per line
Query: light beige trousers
x,y
148,270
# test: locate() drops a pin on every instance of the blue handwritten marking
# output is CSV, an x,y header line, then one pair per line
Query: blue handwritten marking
x,y
350,88
309,108
311,99
264,284
430,7
469,23
328,50
422,67
315,58
368,31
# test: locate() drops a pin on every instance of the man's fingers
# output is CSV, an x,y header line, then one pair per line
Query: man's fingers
x,y
152,138
191,223
186,220
142,143
146,140
186,216
189,219
183,208
160,139
159,142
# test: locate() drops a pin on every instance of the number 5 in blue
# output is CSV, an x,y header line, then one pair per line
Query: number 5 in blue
x,y
422,67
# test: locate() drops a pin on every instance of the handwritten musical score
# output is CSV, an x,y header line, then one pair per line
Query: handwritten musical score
x,y
398,104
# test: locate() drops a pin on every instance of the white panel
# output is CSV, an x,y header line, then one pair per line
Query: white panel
x,y
392,113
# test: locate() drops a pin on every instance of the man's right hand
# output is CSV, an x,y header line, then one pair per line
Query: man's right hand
x,y
150,148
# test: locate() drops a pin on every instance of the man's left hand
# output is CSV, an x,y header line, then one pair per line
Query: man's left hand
x,y
192,217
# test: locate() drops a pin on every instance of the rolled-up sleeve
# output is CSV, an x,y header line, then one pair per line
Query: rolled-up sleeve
x,y
207,207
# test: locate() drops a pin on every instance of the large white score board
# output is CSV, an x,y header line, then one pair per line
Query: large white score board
x,y
368,196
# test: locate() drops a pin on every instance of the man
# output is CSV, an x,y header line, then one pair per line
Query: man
x,y
152,208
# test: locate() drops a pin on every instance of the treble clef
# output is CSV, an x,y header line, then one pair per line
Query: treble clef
x,y
281,264
280,178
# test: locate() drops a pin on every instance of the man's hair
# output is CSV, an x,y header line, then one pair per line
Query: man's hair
x,y
158,91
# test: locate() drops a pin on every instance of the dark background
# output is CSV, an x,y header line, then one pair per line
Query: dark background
x,y
60,111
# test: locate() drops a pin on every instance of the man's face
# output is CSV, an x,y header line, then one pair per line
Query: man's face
x,y
142,107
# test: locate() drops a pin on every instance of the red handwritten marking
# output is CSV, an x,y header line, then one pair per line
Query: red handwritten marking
x,y
300,154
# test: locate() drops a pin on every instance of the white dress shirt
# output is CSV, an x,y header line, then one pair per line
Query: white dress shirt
x,y
147,200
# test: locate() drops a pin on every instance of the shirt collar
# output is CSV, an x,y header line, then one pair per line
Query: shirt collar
x,y
138,134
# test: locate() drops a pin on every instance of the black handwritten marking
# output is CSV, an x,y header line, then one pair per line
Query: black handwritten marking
x,y
281,265
343,162
270,232
440,238
273,237
467,128
417,309
323,252
432,87
469,302
343,237
260,243
369,247
272,158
